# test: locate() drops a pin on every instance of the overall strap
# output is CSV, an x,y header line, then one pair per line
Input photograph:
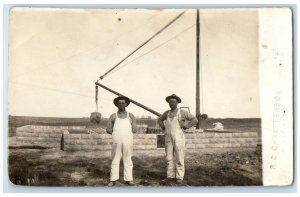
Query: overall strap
x,y
168,114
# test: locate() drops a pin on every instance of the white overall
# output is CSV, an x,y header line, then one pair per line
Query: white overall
x,y
122,146
175,145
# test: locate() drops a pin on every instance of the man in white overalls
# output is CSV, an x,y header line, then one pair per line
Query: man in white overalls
x,y
121,125
174,121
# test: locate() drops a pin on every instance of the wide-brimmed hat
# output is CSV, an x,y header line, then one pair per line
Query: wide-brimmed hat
x,y
116,100
173,96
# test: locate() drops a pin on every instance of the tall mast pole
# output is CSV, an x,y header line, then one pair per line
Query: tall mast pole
x,y
198,70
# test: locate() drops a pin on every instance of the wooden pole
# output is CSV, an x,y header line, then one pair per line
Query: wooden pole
x,y
198,70
132,101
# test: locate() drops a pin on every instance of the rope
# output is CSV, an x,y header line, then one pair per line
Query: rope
x,y
153,49
166,26
96,97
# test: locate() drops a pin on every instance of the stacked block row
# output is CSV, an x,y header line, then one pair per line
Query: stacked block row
x,y
58,137
104,142
39,136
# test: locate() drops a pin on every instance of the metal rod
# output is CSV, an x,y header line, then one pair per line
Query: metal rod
x,y
177,17
133,101
197,71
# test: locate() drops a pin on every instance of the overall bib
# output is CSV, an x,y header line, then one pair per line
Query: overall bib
x,y
175,145
122,146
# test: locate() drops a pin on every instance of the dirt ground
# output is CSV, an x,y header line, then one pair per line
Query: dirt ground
x,y
52,167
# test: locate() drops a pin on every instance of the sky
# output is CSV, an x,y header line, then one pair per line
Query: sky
x,y
56,55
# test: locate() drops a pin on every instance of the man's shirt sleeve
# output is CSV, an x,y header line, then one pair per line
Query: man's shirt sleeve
x,y
191,119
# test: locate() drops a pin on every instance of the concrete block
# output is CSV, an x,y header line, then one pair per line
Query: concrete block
x,y
93,142
21,138
60,131
86,142
58,140
65,132
107,147
139,136
41,139
87,147
219,140
190,146
214,145
218,135
237,140
253,134
87,136
40,131
25,143
222,135
69,142
82,142
72,147
201,141
194,136
74,136
67,136
209,135
98,147
44,135
25,134
144,141
246,134
237,135
188,141
104,136
104,141
20,131
200,146
249,145
36,131
251,140
55,135
231,145
42,144
227,135
144,136
144,147
188,136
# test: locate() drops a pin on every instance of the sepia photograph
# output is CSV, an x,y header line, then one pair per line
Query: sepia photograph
x,y
149,97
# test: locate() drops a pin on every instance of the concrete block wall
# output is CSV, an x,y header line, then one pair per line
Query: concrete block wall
x,y
221,140
44,136
149,141
58,137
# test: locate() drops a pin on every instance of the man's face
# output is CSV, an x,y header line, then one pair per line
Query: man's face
x,y
173,103
122,105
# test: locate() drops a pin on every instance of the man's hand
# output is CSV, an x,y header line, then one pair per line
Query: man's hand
x,y
184,127
109,132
